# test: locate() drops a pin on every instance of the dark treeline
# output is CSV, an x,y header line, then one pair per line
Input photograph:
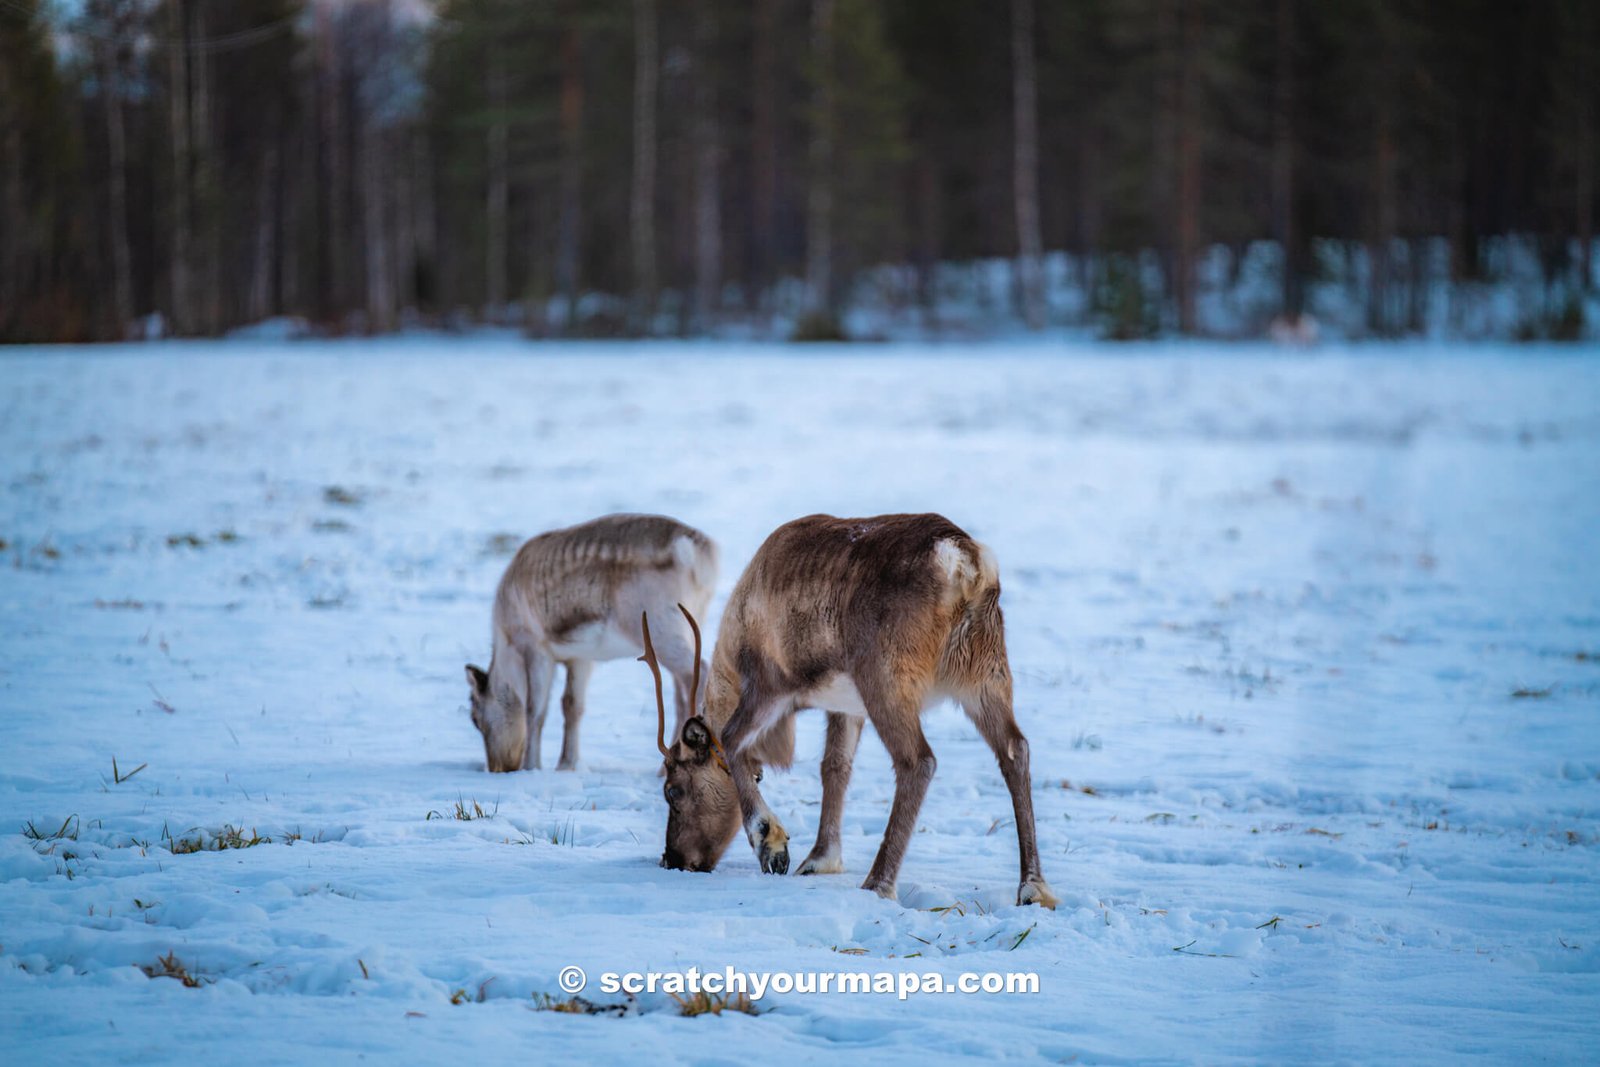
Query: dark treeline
x,y
627,167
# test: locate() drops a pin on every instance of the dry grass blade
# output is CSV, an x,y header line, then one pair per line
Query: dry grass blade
x,y
464,813
169,966
32,833
118,777
1021,938
959,908
704,1003
1183,950
229,836
461,996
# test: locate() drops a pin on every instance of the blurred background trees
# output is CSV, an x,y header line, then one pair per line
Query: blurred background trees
x,y
629,167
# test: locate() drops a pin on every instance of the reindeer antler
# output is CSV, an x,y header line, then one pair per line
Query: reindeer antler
x,y
694,690
649,658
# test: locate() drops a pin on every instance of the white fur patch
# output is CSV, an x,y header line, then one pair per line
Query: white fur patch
x,y
595,641
951,561
988,564
838,693
683,553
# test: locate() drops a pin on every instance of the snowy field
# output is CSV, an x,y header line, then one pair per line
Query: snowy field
x,y
1307,646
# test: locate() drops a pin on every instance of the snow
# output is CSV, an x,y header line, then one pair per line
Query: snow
x,y
1268,612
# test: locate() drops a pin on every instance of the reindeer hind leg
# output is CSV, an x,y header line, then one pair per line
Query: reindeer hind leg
x,y
900,727
572,708
990,710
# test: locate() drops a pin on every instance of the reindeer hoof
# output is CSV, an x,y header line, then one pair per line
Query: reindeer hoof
x,y
884,889
821,863
775,860
774,849
1036,891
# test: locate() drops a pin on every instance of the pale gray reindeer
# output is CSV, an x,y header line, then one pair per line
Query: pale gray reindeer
x,y
573,597
878,619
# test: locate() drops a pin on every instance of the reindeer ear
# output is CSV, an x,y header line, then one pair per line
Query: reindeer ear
x,y
478,680
696,735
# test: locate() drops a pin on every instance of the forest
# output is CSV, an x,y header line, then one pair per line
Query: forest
x,y
777,168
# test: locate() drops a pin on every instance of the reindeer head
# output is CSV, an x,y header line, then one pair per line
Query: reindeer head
x,y
702,804
500,718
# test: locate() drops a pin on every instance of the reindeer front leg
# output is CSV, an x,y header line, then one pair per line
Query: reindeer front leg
x,y
838,756
541,672
761,827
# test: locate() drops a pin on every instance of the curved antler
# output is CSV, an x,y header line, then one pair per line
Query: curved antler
x,y
649,658
694,690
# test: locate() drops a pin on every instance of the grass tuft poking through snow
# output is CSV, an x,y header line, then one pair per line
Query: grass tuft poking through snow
x,y
229,837
169,966
703,1003
463,813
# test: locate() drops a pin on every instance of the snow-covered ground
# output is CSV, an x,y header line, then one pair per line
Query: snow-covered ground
x,y
1307,646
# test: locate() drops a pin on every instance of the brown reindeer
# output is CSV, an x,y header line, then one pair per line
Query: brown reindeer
x,y
875,619
573,596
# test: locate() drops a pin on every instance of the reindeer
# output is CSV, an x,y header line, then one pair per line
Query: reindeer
x,y
573,597
874,619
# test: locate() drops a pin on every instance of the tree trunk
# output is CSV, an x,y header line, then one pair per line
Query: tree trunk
x,y
12,239
930,225
425,279
708,216
1030,272
568,227
1583,146
403,219
332,233
260,301
1090,215
1291,299
1380,282
1164,134
207,184
498,195
819,201
182,207
646,73
375,229
764,147
1379,268
117,184
1189,148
